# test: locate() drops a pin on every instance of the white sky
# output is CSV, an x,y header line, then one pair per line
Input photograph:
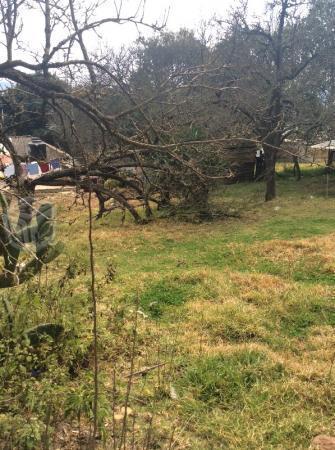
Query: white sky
x,y
182,13
179,13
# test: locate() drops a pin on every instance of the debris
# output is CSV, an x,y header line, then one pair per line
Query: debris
x,y
145,370
173,393
129,411
141,313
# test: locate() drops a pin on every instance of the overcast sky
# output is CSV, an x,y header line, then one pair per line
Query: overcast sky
x,y
181,13
190,12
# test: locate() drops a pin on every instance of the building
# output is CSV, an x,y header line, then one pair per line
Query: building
x,y
240,157
31,148
37,157
323,152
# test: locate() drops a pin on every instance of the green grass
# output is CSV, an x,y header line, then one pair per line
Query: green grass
x,y
294,215
300,318
240,312
165,294
227,380
243,400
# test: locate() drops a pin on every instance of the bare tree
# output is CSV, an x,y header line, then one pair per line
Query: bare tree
x,y
111,142
271,56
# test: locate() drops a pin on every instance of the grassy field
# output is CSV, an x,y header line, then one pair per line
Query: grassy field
x,y
239,312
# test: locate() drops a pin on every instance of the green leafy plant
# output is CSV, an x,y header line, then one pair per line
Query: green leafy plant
x,y
13,240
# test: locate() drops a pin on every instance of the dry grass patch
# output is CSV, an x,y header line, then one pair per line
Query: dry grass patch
x,y
260,289
232,321
304,255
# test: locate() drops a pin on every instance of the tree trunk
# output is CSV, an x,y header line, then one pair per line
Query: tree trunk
x,y
270,171
197,197
147,208
164,200
296,168
101,198
25,210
